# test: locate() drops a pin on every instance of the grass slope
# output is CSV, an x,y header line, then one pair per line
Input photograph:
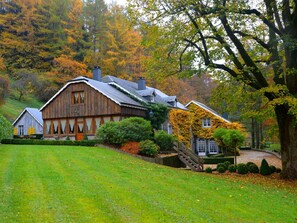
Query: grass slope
x,y
82,184
12,108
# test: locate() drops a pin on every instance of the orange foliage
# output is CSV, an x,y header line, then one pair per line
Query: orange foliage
x,y
67,69
2,65
131,147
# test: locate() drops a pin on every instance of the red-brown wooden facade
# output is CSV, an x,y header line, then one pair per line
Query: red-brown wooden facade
x,y
79,110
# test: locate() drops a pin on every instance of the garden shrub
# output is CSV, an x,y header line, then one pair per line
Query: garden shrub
x,y
50,142
131,147
232,168
253,168
6,129
164,140
148,148
85,137
216,160
250,163
272,168
278,170
109,133
242,168
264,168
208,170
221,169
227,164
221,165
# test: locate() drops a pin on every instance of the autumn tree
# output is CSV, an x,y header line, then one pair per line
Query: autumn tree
x,y
4,89
253,42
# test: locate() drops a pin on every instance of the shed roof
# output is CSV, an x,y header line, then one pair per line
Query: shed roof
x,y
34,112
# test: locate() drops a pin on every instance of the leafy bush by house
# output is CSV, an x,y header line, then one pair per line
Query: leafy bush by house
x,y
242,168
208,170
253,168
264,168
109,133
6,129
50,142
133,129
232,168
216,160
131,147
164,140
227,164
221,168
148,148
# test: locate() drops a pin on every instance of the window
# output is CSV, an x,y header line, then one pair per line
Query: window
x,y
206,122
21,130
78,97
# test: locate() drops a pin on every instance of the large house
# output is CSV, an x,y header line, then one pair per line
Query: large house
x,y
28,123
83,104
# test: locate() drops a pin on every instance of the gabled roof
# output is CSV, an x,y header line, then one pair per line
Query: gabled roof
x,y
203,106
34,112
104,88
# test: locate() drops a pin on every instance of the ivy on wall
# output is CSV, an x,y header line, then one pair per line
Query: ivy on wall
x,y
186,124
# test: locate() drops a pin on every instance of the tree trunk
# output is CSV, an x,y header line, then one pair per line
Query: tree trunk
x,y
253,133
288,138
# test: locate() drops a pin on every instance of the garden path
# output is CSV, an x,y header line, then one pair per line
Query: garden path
x,y
257,156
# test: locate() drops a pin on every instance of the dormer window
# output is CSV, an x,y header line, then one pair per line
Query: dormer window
x,y
206,122
78,97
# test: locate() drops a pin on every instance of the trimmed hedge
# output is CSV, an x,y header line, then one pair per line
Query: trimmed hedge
x,y
50,142
216,160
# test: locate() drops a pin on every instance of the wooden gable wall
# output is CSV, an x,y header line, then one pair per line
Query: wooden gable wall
x,y
94,104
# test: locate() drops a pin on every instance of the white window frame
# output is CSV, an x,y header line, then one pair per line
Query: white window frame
x,y
206,122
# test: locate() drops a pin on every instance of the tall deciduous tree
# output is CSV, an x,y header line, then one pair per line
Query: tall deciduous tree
x,y
253,41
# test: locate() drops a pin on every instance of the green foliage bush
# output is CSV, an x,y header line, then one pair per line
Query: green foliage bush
x,y
227,164
164,140
208,170
221,169
264,168
6,129
272,168
221,165
109,133
133,129
242,168
159,114
253,168
250,163
148,148
232,168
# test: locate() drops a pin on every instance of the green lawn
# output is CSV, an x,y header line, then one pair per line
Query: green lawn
x,y
83,184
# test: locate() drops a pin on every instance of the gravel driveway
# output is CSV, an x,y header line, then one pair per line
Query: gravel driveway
x,y
257,156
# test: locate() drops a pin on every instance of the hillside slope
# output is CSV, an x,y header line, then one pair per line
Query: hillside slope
x,y
12,108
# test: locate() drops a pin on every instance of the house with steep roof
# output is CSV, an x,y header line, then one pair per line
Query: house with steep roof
x,y
83,104
204,122
28,123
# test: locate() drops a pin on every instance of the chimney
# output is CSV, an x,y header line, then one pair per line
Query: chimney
x,y
141,83
97,74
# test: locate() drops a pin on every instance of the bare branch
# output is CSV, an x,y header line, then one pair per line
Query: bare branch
x,y
258,40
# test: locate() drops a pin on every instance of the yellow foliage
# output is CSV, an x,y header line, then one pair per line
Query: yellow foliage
x,y
186,124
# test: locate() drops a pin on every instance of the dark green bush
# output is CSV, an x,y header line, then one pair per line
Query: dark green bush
x,y
164,140
208,170
250,163
278,170
264,168
253,168
232,168
148,148
221,169
216,160
109,133
50,142
133,129
272,168
227,164
221,165
242,168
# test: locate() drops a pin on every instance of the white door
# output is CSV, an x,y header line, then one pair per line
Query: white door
x,y
201,147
